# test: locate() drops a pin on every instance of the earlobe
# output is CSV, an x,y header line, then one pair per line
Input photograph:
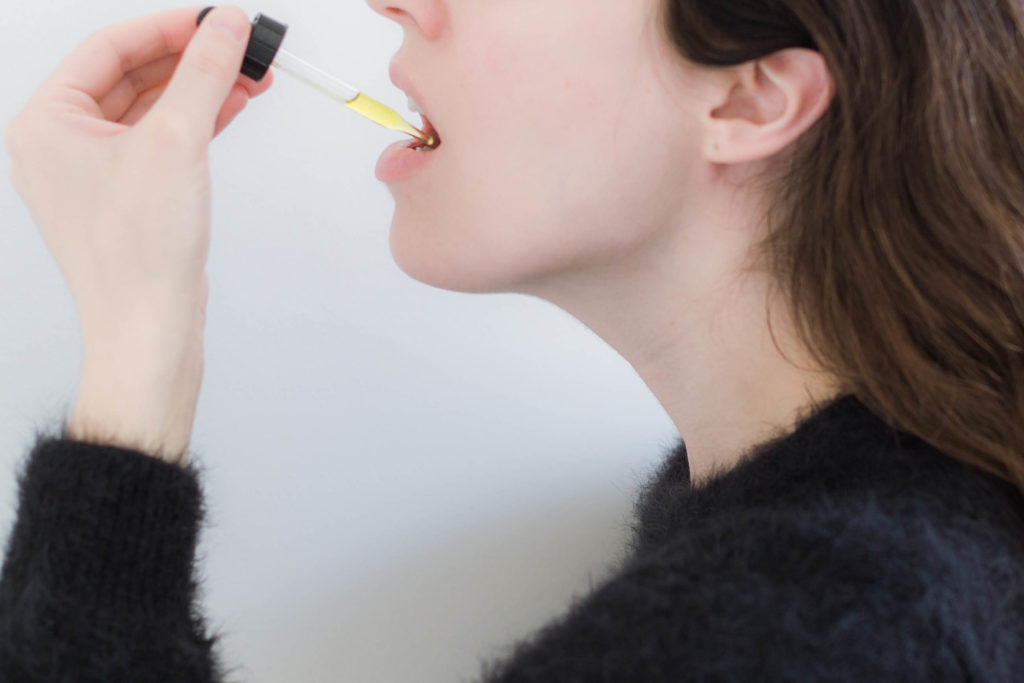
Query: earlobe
x,y
769,103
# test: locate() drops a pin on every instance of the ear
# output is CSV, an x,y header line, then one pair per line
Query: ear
x,y
768,103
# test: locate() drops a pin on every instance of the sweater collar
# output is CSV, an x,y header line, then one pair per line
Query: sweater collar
x,y
838,448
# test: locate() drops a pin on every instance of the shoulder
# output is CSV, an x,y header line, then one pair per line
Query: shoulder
x,y
834,593
854,591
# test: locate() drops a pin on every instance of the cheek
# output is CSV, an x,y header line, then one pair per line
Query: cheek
x,y
503,218
552,165
520,153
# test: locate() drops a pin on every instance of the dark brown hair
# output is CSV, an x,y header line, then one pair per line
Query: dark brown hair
x,y
896,230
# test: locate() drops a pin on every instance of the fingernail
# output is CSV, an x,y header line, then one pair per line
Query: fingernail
x,y
221,24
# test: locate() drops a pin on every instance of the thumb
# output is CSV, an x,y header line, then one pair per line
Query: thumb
x,y
207,71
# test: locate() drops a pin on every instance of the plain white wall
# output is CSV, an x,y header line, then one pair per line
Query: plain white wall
x,y
401,480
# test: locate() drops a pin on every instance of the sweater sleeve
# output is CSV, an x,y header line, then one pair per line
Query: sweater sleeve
x,y
775,598
97,581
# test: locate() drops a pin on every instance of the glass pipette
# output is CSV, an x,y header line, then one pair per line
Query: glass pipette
x,y
347,95
264,51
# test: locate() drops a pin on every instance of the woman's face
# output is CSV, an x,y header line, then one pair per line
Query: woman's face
x,y
569,138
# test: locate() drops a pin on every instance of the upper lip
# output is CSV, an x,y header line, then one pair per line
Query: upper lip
x,y
402,82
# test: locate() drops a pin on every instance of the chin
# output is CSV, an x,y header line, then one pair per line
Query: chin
x,y
467,252
445,264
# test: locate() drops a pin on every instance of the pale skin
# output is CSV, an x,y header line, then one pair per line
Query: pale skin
x,y
110,155
583,162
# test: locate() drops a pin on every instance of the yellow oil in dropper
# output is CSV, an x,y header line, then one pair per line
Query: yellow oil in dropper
x,y
387,117
349,96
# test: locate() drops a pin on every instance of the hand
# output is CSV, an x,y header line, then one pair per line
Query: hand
x,y
111,157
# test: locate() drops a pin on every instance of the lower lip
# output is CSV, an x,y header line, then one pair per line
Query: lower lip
x,y
400,161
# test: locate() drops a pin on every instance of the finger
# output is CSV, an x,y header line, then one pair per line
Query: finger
x,y
141,106
234,105
257,88
124,95
103,59
208,71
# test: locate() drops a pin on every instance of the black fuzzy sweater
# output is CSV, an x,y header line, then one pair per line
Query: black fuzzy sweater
x,y
842,551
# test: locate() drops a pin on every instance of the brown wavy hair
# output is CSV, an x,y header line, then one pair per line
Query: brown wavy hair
x,y
896,225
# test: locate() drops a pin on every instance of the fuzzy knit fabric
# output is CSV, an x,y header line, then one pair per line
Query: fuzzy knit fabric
x,y
841,551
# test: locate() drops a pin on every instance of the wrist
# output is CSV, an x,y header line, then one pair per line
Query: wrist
x,y
151,411
139,392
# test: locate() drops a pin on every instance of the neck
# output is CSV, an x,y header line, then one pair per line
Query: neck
x,y
699,338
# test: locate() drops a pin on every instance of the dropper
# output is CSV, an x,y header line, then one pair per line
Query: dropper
x,y
264,51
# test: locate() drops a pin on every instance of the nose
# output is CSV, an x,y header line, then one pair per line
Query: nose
x,y
426,16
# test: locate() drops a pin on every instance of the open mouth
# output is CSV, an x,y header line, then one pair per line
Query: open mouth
x,y
428,128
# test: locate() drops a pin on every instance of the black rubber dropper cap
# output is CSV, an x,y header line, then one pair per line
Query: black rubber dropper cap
x,y
265,41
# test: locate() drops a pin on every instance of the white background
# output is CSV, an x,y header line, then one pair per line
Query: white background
x,y
401,480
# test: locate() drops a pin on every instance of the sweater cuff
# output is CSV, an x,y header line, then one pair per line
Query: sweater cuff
x,y
106,529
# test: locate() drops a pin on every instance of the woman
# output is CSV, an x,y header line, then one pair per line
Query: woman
x,y
801,221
